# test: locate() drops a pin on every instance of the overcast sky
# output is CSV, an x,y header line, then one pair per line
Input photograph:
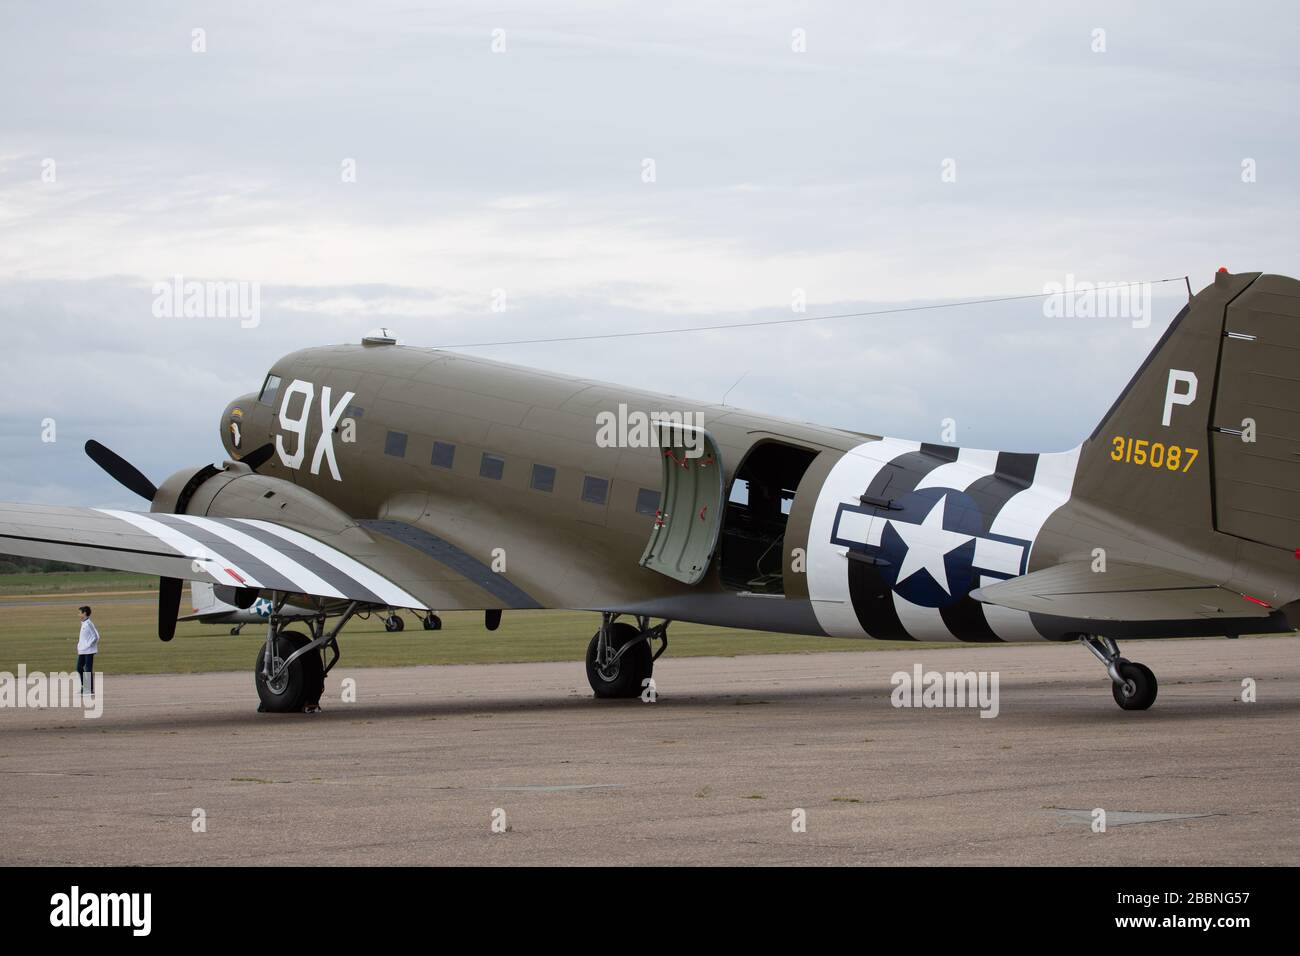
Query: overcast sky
x,y
908,153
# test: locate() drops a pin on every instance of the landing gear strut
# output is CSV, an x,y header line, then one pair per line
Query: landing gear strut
x,y
290,671
619,660
1132,684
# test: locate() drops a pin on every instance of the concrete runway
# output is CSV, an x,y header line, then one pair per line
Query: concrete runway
x,y
412,772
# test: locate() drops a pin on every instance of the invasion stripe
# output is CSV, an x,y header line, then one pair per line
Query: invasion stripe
x,y
388,593
873,599
187,546
1023,517
1013,474
464,564
830,570
941,452
970,466
340,583
267,575
305,580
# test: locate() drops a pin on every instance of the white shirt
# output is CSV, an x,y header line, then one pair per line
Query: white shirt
x,y
88,642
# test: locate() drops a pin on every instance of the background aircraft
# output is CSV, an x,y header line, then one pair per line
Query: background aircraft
x,y
375,476
210,609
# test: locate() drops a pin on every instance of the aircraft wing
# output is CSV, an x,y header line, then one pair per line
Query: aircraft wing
x,y
1126,592
346,564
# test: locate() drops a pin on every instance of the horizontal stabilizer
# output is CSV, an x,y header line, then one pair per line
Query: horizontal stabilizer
x,y
1123,592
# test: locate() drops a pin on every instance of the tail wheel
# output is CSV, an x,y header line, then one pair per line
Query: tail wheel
x,y
1138,690
302,682
624,677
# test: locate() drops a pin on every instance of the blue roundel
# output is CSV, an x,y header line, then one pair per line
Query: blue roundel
x,y
929,544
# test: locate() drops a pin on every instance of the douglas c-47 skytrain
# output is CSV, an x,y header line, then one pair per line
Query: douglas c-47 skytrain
x,y
380,477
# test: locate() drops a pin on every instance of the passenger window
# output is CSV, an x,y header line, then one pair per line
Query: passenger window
x,y
443,454
395,445
595,490
492,466
647,502
543,478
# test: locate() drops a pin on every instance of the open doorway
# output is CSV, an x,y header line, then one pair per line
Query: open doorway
x,y
753,529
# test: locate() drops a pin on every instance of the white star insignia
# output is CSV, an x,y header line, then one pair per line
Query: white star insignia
x,y
928,543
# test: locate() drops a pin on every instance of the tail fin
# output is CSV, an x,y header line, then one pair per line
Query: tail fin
x,y
1207,434
204,598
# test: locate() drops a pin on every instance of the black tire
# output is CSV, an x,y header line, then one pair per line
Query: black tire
x,y
394,623
304,683
433,623
313,669
625,679
1138,692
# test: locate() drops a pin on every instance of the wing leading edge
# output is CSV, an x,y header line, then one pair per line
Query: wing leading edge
x,y
235,552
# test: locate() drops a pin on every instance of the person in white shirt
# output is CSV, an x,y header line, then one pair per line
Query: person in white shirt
x,y
87,648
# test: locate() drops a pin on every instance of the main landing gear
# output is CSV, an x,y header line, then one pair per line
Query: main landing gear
x,y
291,667
619,659
1133,684
393,622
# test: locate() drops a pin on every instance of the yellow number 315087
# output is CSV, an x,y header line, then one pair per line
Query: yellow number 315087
x,y
1140,451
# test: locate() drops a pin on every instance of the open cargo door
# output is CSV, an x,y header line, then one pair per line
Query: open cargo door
x,y
685,532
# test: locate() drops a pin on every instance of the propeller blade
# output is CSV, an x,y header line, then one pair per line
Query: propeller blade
x,y
122,470
169,607
258,457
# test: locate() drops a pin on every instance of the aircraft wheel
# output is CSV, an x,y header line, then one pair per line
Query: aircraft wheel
x,y
303,683
1138,692
314,669
433,623
624,677
394,623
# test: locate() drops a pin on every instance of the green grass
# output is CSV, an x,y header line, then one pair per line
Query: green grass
x,y
42,633
80,583
39,626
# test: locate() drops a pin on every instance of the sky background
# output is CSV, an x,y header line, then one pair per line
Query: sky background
x,y
522,170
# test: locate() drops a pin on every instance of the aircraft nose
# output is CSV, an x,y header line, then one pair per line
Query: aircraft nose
x,y
234,422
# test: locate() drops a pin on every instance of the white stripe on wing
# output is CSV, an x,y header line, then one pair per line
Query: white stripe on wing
x,y
304,580
383,588
227,571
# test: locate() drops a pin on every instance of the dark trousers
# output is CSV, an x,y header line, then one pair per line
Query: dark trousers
x,y
86,667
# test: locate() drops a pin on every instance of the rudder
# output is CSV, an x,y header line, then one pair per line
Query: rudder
x,y
1255,418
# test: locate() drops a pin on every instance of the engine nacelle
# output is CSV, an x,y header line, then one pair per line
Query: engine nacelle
x,y
176,495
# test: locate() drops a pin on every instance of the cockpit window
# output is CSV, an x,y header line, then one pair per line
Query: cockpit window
x,y
270,388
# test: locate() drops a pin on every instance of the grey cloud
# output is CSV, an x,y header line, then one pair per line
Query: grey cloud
x,y
521,171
